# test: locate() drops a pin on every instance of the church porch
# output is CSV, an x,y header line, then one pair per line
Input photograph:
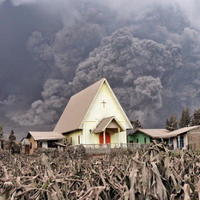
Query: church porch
x,y
108,132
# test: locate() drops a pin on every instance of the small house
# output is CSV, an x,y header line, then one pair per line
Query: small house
x,y
145,136
43,140
187,137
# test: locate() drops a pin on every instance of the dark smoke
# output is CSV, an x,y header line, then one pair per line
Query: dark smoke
x,y
46,111
148,51
144,64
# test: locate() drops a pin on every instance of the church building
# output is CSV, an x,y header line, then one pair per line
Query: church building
x,y
94,116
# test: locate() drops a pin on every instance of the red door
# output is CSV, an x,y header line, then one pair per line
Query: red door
x,y
107,138
101,138
107,135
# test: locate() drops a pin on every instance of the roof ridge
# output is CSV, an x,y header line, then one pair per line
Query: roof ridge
x,y
88,87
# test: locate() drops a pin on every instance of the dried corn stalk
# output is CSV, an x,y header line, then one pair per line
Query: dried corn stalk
x,y
49,174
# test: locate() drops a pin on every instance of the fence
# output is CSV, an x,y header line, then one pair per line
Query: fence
x,y
106,148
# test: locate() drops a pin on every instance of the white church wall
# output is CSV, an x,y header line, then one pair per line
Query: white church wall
x,y
102,110
99,111
90,138
122,137
73,137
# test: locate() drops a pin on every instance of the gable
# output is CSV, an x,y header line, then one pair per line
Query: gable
x,y
114,124
104,105
110,122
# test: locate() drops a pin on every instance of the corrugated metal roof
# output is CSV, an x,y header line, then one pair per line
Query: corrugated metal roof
x,y
76,109
180,131
105,123
153,133
46,135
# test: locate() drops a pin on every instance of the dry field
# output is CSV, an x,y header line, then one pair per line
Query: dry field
x,y
153,173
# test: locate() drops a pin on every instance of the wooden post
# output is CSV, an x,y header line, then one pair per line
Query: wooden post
x,y
104,137
179,142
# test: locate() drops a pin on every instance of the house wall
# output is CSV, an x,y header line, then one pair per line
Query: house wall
x,y
74,137
175,141
185,140
141,138
44,144
33,145
98,112
194,139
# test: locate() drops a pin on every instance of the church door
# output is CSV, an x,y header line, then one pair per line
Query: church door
x,y
101,138
107,139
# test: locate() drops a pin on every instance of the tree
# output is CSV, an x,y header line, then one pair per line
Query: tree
x,y
12,136
136,124
13,145
172,123
185,118
196,118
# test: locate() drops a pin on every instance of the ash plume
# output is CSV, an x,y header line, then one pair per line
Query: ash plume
x,y
46,110
72,44
121,53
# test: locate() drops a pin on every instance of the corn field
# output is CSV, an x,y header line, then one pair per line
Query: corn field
x,y
149,174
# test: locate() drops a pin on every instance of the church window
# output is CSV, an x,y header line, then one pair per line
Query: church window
x,y
79,139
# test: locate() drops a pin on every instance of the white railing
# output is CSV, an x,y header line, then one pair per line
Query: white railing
x,y
97,146
112,145
130,145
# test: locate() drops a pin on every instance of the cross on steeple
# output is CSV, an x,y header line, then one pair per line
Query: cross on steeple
x,y
103,102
